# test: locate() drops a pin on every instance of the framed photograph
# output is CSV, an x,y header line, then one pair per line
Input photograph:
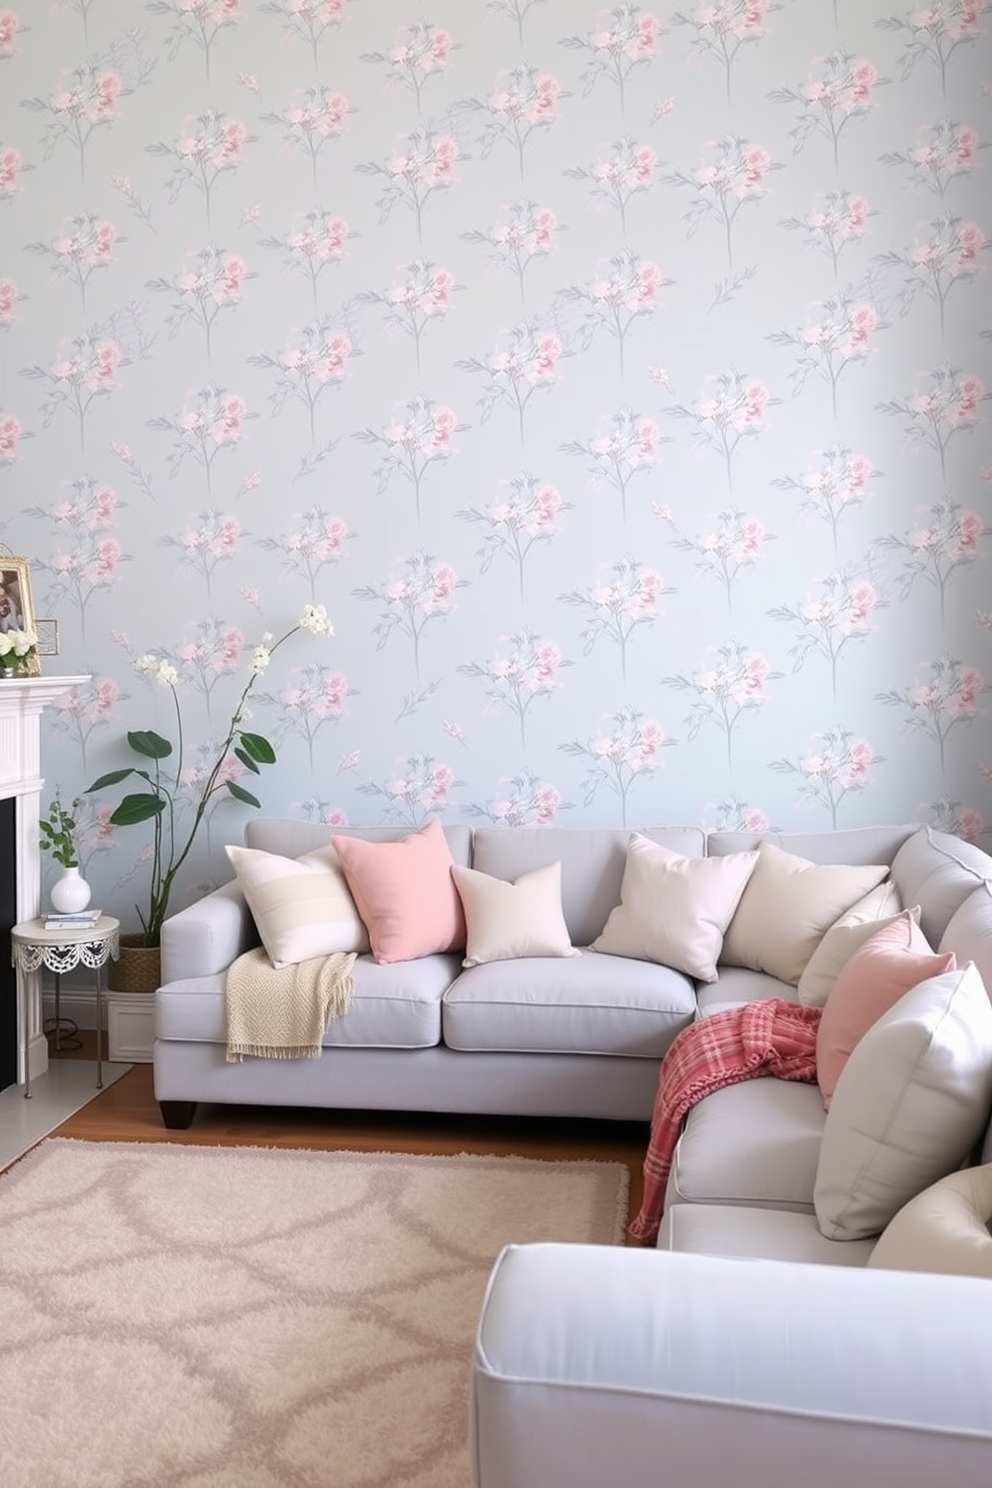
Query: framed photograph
x,y
16,603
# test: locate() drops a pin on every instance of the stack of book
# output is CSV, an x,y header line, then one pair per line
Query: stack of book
x,y
80,919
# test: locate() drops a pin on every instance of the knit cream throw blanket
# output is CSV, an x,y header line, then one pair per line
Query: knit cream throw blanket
x,y
282,1014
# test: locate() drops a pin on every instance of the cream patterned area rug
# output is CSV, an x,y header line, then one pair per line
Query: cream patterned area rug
x,y
246,1317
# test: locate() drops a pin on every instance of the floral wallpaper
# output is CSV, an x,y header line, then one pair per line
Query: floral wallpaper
x,y
615,375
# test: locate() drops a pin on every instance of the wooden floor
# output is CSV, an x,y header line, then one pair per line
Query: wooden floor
x,y
127,1112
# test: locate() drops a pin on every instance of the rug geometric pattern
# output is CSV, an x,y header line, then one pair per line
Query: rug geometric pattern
x,y
232,1317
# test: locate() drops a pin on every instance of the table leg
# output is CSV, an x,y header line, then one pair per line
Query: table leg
x,y
99,1028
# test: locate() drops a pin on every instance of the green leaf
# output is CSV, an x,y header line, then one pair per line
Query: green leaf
x,y
259,748
239,794
247,761
150,744
114,778
137,809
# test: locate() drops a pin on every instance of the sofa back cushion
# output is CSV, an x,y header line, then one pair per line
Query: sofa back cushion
x,y
592,864
849,845
938,872
293,838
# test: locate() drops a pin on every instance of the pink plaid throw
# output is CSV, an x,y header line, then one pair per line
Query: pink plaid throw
x,y
767,1037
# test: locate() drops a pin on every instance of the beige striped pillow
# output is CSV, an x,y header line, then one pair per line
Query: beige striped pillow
x,y
302,907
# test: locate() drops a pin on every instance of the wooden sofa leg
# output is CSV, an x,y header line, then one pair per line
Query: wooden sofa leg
x,y
177,1115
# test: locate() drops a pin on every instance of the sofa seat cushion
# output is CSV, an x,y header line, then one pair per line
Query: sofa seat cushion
x,y
589,1004
393,1006
755,1143
736,985
756,1234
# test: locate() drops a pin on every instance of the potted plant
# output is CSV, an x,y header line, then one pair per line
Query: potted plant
x,y
158,803
71,892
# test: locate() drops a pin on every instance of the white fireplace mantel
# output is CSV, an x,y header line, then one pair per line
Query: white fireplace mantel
x,y
22,700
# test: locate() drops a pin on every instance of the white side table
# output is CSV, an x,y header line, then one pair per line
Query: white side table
x,y
32,946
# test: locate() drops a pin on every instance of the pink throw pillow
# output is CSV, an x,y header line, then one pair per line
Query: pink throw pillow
x,y
891,962
405,893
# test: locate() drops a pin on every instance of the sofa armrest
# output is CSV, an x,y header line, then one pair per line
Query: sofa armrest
x,y
207,936
596,1364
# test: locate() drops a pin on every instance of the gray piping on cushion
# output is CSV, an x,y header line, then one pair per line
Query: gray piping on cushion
x,y
982,878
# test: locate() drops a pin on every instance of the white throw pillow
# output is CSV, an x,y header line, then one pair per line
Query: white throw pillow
x,y
302,906
788,906
945,1228
911,1103
873,912
674,909
506,920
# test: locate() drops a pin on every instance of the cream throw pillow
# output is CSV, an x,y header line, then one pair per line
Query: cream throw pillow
x,y
674,909
506,920
945,1228
302,906
873,912
911,1103
788,906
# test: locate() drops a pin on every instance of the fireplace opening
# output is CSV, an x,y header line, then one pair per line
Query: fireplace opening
x,y
8,918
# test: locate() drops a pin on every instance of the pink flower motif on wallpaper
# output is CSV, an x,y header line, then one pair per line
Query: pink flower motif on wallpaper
x,y
419,787
313,541
945,402
315,116
316,239
626,288
515,10
422,592
310,19
210,148
525,513
731,542
209,539
214,422
524,668
9,27
522,801
837,335
826,103
944,695
934,32
626,595
624,37
942,151
721,30
731,684
735,815
84,245
522,101
420,435
11,166
836,219
835,766
314,808
947,815
10,438
624,750
835,611
525,359
730,174
84,369
199,21
418,52
86,556
834,482
316,357
422,163
622,171
730,408
313,697
210,282
212,649
81,711
125,454
946,251
626,445
86,96
420,293
124,186
521,233
946,538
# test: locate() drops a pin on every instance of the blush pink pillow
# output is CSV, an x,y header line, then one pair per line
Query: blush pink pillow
x,y
892,961
405,893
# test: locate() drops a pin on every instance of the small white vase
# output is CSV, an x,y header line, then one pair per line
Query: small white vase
x,y
70,892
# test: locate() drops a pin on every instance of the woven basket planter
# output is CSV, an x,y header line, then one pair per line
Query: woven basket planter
x,y
139,968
